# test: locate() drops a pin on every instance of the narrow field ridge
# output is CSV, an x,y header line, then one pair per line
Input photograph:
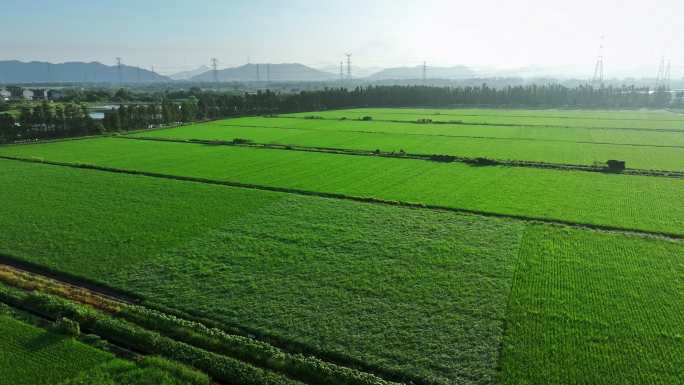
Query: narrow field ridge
x,y
456,136
498,124
13,274
619,229
413,156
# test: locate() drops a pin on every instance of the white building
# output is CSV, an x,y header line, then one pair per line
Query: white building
x,y
5,95
27,94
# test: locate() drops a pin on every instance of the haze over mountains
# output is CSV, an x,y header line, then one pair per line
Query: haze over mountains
x,y
402,73
270,72
13,71
185,75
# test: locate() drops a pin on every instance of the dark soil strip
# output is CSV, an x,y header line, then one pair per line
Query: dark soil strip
x,y
558,222
70,280
432,158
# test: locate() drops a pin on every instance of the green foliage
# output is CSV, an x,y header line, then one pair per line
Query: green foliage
x,y
595,308
308,369
33,356
596,199
149,371
645,148
224,254
67,327
134,337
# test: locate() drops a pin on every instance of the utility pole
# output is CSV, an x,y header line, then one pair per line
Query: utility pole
x,y
341,72
598,69
214,69
118,69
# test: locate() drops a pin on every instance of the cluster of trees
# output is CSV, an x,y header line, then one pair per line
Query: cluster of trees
x,y
71,119
142,116
215,105
47,121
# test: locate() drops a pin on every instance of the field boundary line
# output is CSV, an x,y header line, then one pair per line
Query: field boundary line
x,y
541,116
455,136
456,122
13,274
330,195
481,162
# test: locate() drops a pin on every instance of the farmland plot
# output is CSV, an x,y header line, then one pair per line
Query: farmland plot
x,y
525,149
614,119
423,296
33,356
595,308
632,202
222,130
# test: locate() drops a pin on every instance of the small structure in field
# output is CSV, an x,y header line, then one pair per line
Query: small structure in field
x,y
616,165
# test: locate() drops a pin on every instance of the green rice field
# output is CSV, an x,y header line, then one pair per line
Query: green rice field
x,y
652,120
32,356
497,276
600,199
651,150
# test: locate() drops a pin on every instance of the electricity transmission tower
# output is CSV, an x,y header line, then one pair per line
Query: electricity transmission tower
x,y
341,72
424,73
349,73
118,69
663,78
214,69
598,69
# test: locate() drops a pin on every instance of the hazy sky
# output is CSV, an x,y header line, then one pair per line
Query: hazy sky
x,y
179,35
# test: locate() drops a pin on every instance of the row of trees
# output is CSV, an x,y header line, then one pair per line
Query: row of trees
x,y
47,121
62,120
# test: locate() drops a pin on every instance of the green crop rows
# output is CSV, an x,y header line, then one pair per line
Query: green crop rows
x,y
591,308
428,295
32,356
583,197
640,149
590,119
299,267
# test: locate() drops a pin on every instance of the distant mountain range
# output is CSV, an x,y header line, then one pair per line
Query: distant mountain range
x,y
402,73
292,72
185,75
13,71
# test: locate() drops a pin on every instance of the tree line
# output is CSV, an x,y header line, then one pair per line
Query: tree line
x,y
72,119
